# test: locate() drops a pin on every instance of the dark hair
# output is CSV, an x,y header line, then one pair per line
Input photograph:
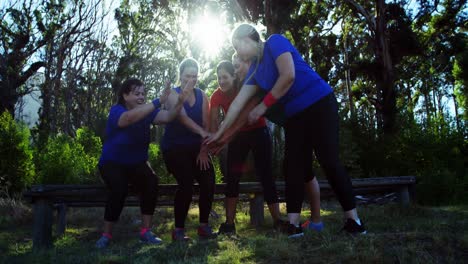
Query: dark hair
x,y
126,87
188,62
229,68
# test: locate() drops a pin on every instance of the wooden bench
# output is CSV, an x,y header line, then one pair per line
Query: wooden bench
x,y
47,197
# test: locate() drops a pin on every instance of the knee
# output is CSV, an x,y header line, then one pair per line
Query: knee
x,y
119,194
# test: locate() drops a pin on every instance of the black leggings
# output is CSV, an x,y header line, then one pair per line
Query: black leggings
x,y
315,129
182,163
118,176
259,141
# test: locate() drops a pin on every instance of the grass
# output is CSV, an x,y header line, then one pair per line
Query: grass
x,y
396,235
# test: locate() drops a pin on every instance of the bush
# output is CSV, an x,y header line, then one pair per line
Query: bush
x,y
157,163
16,162
65,160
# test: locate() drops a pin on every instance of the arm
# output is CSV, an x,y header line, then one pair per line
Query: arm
x,y
214,117
238,124
190,124
244,95
286,70
203,159
183,118
135,115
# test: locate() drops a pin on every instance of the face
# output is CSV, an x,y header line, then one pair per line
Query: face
x,y
136,97
246,48
189,74
225,80
240,68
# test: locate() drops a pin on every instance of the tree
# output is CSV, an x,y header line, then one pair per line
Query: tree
x,y
20,39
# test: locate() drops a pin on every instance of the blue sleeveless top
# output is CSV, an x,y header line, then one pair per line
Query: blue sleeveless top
x,y
178,135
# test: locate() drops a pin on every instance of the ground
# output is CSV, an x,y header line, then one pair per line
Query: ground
x,y
413,234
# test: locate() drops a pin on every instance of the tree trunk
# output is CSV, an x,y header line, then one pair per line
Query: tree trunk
x,y
386,82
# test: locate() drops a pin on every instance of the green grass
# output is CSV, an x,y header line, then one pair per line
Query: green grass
x,y
396,235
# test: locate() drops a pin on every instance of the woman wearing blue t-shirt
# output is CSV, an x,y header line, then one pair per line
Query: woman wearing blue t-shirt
x,y
310,115
186,157
125,154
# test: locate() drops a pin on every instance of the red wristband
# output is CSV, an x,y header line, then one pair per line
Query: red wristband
x,y
269,100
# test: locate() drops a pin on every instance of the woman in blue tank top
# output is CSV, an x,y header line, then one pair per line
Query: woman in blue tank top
x,y
310,113
186,157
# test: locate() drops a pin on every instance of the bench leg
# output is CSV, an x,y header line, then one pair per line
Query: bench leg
x,y
403,196
61,219
42,230
256,210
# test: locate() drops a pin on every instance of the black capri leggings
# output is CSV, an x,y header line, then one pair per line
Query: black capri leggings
x,y
182,163
259,141
315,129
117,177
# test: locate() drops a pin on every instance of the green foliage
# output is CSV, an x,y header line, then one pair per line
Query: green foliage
x,y
66,160
16,162
156,161
435,157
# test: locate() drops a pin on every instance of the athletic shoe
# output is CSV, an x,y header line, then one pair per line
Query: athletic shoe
x,y
309,225
354,228
227,229
179,235
205,232
103,242
149,238
294,231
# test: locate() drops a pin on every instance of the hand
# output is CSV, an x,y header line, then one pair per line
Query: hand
x,y
165,93
204,134
186,91
203,158
215,148
212,139
257,112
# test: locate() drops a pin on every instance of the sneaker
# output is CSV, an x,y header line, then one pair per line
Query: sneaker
x,y
309,225
294,231
149,238
179,235
354,228
103,242
205,232
227,229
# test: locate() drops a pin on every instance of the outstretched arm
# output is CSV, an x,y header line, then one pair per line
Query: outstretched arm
x,y
238,124
286,70
244,95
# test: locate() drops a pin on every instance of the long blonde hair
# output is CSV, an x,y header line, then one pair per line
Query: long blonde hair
x,y
249,31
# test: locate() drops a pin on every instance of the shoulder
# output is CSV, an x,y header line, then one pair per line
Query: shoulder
x,y
277,39
118,108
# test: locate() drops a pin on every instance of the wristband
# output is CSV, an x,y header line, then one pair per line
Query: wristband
x,y
269,100
156,103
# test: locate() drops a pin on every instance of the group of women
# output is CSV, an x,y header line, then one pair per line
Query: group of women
x,y
265,79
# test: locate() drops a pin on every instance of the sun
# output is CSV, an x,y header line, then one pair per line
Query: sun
x,y
209,33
